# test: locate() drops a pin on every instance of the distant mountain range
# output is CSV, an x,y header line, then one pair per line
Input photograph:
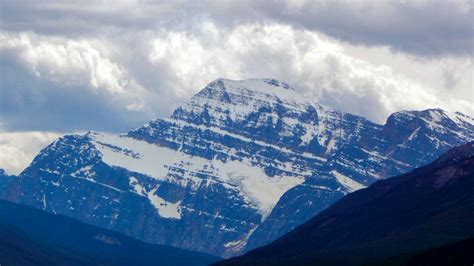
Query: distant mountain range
x,y
30,236
237,166
397,221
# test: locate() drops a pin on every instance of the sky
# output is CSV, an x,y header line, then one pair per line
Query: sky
x,y
74,66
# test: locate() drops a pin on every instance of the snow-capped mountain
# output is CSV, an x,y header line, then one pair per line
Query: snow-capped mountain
x,y
240,164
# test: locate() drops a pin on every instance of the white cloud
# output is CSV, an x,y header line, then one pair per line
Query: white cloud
x,y
17,149
150,72
322,66
65,61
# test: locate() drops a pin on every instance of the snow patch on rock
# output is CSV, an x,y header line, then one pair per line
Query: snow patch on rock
x,y
347,182
254,185
165,209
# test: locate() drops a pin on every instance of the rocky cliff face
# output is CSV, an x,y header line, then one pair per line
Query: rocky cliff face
x,y
240,164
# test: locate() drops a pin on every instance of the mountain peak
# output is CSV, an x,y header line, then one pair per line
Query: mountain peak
x,y
254,83
224,99
435,115
432,119
258,88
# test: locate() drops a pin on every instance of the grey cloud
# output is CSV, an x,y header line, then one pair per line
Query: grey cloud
x,y
31,103
422,28
89,17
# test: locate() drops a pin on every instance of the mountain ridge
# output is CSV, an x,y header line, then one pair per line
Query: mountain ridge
x,y
428,207
236,166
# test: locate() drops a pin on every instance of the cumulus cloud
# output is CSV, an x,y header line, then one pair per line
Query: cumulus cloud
x,y
321,68
17,149
65,61
63,84
148,73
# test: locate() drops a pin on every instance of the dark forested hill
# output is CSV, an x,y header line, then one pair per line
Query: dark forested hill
x,y
33,237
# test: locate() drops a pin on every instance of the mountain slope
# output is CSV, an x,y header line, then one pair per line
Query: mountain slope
x,y
457,253
238,165
5,181
431,206
32,237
